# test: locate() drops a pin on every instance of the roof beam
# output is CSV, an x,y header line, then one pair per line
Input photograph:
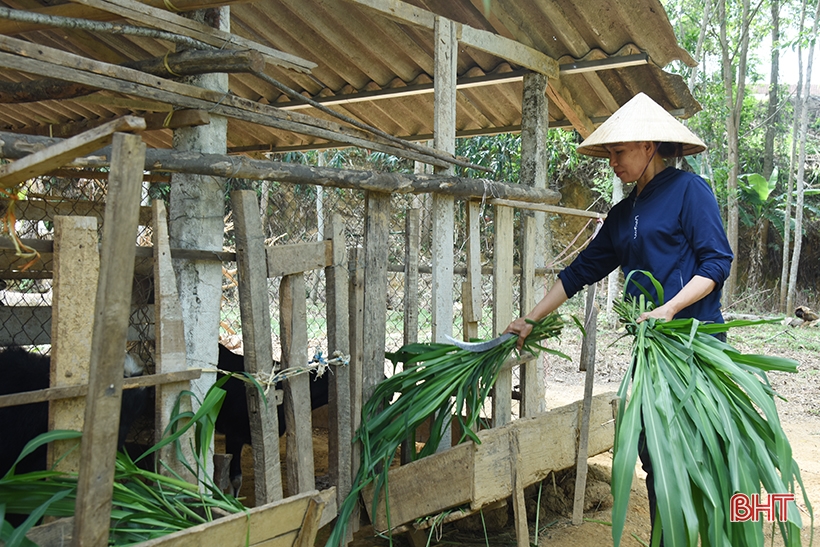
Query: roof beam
x,y
169,22
494,44
45,61
78,11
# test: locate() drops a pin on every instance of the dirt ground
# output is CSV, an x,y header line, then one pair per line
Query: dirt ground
x,y
800,416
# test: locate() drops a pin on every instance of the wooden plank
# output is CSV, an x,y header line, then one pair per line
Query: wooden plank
x,y
113,304
472,299
293,333
15,146
82,12
412,244
547,208
170,22
377,231
299,257
495,44
512,51
76,270
502,306
44,61
562,97
310,525
67,392
588,365
356,308
522,534
533,388
547,442
447,482
43,161
446,55
170,351
276,523
254,309
340,434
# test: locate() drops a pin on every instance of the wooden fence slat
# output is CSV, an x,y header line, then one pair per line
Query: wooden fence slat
x,y
338,340
76,271
588,365
254,308
297,258
472,298
113,304
377,231
67,392
293,333
43,161
533,389
356,307
502,306
170,351
412,237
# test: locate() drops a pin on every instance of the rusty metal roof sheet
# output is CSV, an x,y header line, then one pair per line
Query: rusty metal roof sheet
x,y
379,69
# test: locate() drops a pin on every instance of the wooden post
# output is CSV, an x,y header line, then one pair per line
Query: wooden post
x,y
444,139
502,307
588,365
112,309
377,226
522,533
254,309
293,332
76,270
356,307
338,341
471,297
534,134
170,344
412,236
533,389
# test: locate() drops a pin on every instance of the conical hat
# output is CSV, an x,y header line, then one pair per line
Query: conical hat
x,y
640,119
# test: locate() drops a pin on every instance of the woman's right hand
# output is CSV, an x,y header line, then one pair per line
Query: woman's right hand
x,y
521,328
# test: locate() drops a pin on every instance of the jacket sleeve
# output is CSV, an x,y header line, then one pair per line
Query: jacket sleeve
x,y
703,228
593,263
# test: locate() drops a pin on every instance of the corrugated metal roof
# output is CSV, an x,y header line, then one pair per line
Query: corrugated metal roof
x,y
363,57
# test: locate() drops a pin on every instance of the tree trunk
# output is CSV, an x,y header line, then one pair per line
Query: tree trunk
x,y
784,273
773,116
801,168
704,27
734,104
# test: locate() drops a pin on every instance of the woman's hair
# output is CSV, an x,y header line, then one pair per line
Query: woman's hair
x,y
670,149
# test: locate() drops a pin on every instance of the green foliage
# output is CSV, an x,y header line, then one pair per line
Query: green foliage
x,y
438,381
711,428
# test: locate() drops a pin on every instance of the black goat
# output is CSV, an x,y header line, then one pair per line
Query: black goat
x,y
22,371
233,419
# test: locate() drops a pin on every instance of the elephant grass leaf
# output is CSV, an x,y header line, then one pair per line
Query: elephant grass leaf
x,y
712,430
439,381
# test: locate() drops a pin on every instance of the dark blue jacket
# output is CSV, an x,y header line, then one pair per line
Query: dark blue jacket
x,y
673,230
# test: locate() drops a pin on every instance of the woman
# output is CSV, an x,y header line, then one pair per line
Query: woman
x,y
669,225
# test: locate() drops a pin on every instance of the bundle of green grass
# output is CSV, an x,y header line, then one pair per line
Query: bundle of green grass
x,y
438,381
712,431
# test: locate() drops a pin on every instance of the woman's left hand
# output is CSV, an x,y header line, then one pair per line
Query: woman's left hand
x,y
665,312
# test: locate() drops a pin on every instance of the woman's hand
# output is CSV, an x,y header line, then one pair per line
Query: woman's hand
x,y
665,312
521,328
